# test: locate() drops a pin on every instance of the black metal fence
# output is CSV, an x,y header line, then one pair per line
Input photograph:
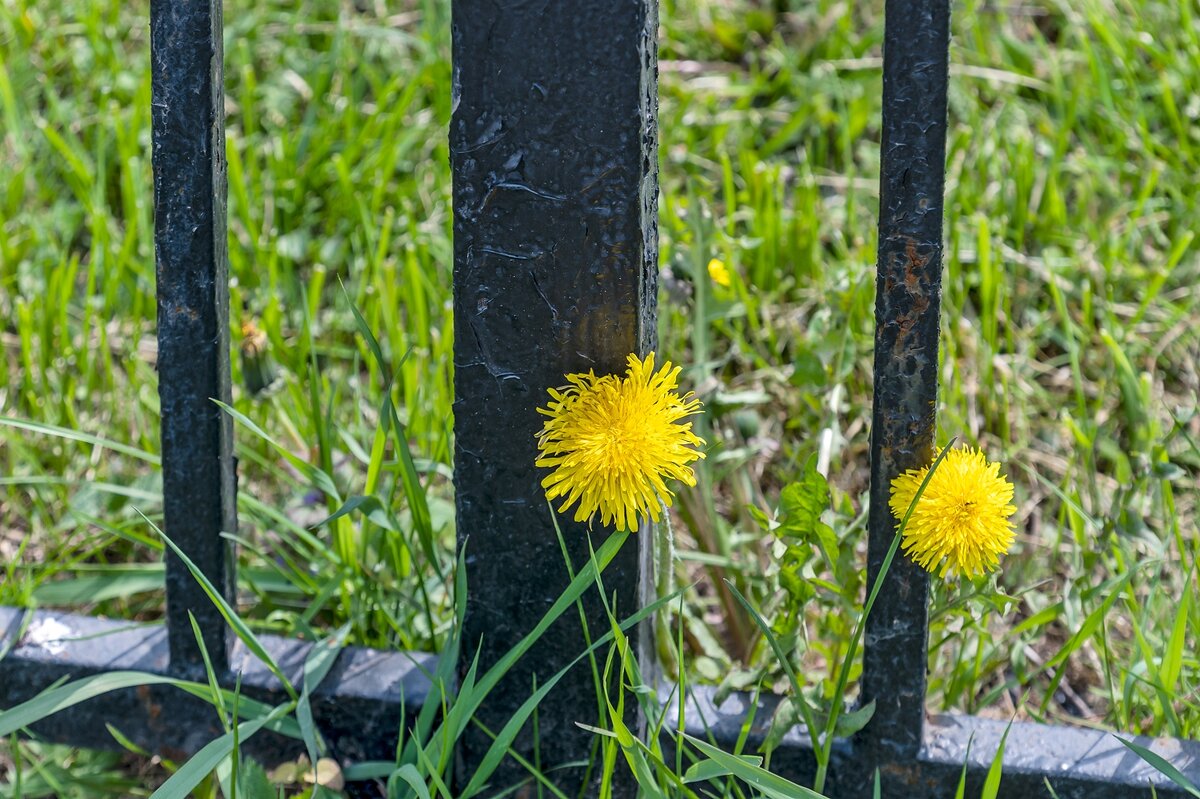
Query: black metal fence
x,y
554,157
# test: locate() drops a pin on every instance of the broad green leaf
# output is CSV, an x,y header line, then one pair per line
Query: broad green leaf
x,y
791,577
854,720
801,505
787,715
253,782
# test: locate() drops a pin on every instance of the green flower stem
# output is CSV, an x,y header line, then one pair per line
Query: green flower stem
x,y
835,710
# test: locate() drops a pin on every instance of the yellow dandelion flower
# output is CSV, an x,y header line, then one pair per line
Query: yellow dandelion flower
x,y
719,273
612,442
961,521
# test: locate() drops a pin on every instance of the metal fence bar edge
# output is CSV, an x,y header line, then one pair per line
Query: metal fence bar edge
x,y
907,304
199,478
553,151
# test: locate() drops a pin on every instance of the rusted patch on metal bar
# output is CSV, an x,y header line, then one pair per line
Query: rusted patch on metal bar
x,y
907,303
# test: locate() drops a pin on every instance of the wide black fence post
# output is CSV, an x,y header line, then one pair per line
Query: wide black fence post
x,y
553,150
908,296
199,481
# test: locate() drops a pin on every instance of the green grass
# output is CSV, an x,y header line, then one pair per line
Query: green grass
x,y
1070,331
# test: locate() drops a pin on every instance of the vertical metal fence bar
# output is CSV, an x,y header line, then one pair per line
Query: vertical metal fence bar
x,y
908,295
199,481
554,159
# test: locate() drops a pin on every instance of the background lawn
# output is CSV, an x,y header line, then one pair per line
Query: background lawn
x,y
1071,330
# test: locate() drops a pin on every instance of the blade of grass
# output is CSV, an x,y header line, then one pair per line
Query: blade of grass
x,y
839,693
83,438
991,785
240,628
785,663
771,785
181,784
1162,765
961,791
51,701
208,671
320,660
492,758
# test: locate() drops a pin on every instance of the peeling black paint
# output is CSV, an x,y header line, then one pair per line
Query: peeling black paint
x,y
553,152
199,480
